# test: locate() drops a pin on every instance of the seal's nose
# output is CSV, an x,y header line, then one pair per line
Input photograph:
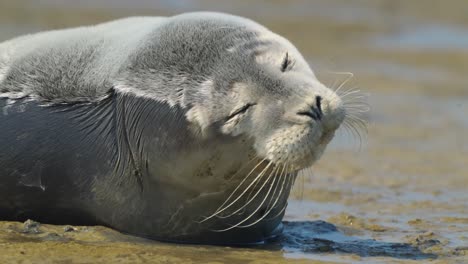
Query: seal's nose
x,y
315,110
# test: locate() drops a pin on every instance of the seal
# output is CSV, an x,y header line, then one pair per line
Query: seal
x,y
189,128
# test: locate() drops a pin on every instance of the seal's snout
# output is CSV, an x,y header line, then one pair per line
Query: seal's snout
x,y
314,111
334,112
310,121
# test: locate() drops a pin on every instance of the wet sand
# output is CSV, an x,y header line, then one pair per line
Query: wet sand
x,y
398,195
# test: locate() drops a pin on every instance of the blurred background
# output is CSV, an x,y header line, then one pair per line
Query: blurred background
x,y
406,180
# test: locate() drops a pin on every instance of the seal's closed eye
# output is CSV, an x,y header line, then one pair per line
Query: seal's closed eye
x,y
287,63
241,110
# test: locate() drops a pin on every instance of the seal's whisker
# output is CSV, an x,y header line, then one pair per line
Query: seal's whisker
x,y
263,216
351,91
355,105
288,186
345,93
302,186
243,167
222,209
357,121
242,182
334,84
274,206
270,208
358,106
278,185
252,190
357,109
355,131
355,117
256,181
349,130
341,92
250,199
254,212
278,214
351,127
299,186
345,129
309,171
351,75
342,73
288,182
355,97
232,177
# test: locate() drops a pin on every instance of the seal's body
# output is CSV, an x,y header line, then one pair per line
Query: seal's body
x,y
188,128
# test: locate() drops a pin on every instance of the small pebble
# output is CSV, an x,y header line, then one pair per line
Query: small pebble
x,y
70,228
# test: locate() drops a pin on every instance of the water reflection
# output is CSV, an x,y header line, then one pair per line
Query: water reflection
x,y
324,237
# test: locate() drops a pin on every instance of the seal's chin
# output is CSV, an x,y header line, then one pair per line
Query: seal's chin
x,y
298,146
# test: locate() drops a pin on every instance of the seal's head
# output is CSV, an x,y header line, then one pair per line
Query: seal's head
x,y
279,102
257,84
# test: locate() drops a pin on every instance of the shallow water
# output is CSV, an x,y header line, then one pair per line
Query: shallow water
x,y
399,195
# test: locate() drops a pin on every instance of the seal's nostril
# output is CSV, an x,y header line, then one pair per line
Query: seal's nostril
x,y
312,114
318,103
315,111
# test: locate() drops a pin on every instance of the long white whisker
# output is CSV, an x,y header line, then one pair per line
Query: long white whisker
x,y
288,182
278,185
345,95
270,208
252,214
259,176
355,118
243,167
302,187
220,209
254,187
250,199
358,96
353,128
351,75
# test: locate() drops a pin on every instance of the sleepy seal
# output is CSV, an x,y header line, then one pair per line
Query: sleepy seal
x,y
188,128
